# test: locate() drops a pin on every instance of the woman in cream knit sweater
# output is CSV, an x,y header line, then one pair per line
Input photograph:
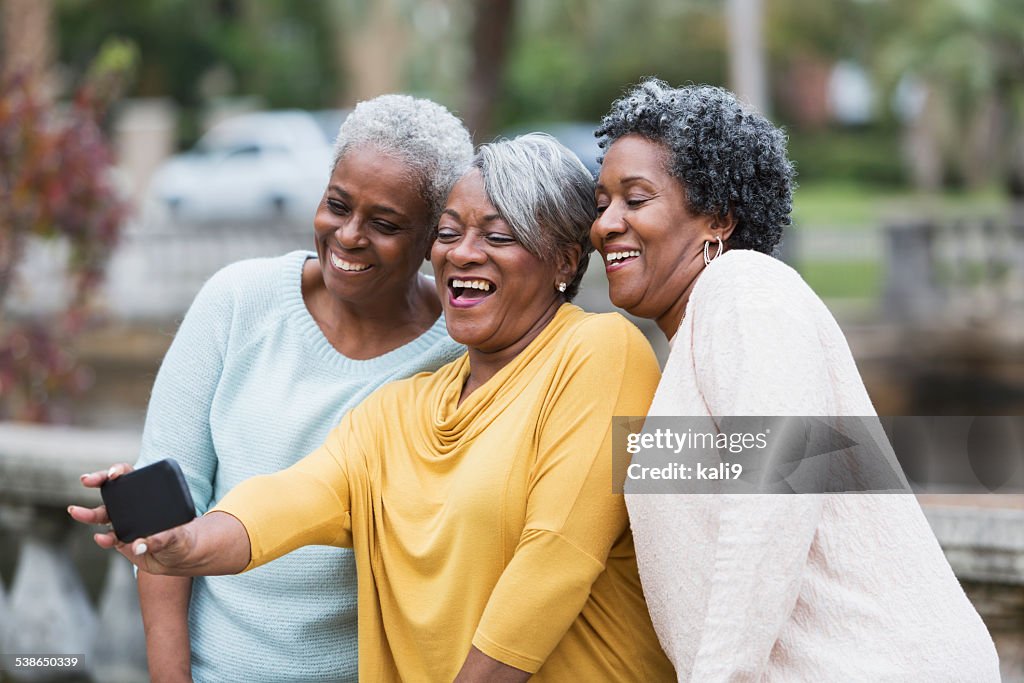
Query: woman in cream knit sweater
x,y
693,193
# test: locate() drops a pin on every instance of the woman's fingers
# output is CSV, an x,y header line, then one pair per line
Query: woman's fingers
x,y
96,479
160,553
106,540
97,515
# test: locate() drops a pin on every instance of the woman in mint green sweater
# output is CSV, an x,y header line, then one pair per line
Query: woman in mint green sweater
x,y
271,355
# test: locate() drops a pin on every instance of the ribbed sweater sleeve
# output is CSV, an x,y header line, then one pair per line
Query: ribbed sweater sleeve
x,y
178,419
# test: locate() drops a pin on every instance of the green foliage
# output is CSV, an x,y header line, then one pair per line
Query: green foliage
x,y
196,50
55,183
869,156
571,59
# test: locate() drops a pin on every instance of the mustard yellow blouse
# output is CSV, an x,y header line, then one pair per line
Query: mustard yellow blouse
x,y
490,523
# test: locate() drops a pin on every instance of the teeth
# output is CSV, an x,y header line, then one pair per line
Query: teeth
x,y
613,256
472,284
346,265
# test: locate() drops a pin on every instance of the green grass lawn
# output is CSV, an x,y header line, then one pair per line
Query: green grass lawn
x,y
844,279
859,207
846,206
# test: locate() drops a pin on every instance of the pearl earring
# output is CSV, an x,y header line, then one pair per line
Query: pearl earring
x,y
561,287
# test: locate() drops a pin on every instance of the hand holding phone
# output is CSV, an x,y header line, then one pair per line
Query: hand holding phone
x,y
148,500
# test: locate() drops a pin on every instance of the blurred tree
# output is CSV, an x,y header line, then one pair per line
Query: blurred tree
x,y
489,42
55,183
372,45
196,51
967,61
27,43
571,58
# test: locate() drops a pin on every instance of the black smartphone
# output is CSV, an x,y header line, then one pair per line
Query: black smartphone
x,y
148,500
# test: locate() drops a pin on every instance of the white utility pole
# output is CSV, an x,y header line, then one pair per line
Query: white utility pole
x,y
745,21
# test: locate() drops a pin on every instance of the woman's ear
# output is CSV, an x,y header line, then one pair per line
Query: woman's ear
x,y
722,226
569,262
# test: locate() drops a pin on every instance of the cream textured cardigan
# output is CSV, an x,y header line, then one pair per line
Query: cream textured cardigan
x,y
834,587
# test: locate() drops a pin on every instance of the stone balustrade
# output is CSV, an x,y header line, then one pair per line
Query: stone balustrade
x,y
47,607
955,271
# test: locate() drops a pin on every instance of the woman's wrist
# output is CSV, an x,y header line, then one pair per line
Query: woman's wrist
x,y
218,544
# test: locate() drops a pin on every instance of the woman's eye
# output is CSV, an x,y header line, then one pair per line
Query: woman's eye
x,y
385,227
635,201
500,238
336,206
446,234
601,208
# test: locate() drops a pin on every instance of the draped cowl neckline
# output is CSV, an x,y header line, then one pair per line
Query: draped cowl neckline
x,y
452,425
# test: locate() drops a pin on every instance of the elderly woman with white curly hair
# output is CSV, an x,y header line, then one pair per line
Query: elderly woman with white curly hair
x,y
693,194
478,499
271,355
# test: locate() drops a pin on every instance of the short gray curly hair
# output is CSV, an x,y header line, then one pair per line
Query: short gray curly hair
x,y
729,157
422,133
545,194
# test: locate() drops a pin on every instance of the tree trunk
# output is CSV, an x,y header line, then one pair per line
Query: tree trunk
x,y
372,48
492,31
27,40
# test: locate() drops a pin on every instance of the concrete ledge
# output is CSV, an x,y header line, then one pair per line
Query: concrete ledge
x,y
41,464
981,544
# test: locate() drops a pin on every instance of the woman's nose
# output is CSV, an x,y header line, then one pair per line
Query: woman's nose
x,y
350,234
466,251
607,224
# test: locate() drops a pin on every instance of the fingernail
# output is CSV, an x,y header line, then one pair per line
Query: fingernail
x,y
141,549
69,508
84,476
112,471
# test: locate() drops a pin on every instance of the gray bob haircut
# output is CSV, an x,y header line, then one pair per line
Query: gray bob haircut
x,y
545,194
423,134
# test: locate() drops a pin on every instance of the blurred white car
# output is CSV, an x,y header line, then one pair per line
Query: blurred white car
x,y
271,165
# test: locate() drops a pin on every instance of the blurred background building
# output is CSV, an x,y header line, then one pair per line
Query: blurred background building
x,y
906,122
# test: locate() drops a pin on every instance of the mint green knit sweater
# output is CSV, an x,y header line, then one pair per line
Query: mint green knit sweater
x,y
249,386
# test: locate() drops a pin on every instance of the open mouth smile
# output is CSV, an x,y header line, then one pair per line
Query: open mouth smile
x,y
614,260
468,292
348,266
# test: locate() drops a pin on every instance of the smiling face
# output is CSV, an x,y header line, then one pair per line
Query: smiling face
x,y
371,228
651,245
497,296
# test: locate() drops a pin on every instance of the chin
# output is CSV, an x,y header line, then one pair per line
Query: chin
x,y
625,300
462,334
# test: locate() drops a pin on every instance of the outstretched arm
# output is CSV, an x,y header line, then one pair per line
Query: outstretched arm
x,y
211,545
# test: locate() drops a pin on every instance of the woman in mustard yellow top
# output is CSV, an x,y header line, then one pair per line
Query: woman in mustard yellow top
x,y
478,499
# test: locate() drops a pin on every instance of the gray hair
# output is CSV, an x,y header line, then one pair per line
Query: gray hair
x,y
728,157
545,194
421,133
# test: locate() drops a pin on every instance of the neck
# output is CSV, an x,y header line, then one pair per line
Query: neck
x,y
366,329
483,365
668,322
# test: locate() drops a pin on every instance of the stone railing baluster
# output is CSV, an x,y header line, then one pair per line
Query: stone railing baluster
x,y
121,647
48,609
